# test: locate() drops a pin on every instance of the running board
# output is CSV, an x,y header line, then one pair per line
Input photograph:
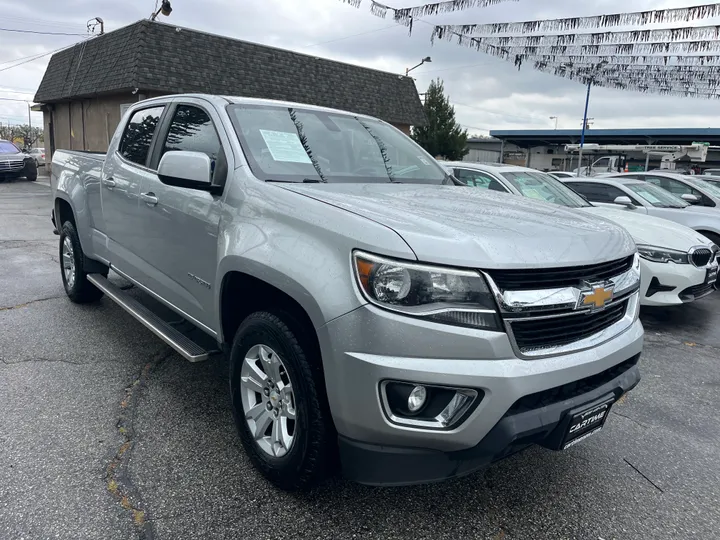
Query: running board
x,y
186,347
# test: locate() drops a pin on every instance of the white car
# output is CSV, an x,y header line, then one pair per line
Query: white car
x,y
641,197
678,265
39,155
693,189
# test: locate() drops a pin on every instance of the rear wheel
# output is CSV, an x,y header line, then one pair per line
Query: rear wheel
x,y
277,402
72,260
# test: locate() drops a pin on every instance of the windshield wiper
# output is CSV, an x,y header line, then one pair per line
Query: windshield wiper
x,y
303,181
304,142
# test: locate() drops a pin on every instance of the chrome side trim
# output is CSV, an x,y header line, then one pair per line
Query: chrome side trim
x,y
172,306
187,348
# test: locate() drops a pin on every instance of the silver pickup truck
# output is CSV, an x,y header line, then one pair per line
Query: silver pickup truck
x,y
369,307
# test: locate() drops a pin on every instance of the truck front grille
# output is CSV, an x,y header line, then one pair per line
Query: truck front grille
x,y
545,278
538,333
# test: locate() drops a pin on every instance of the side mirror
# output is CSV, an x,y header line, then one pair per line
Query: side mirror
x,y
625,201
185,169
689,197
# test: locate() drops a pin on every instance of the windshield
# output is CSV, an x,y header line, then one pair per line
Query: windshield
x,y
541,186
657,196
301,145
8,148
711,188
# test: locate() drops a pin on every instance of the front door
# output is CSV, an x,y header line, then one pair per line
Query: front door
x,y
181,224
121,179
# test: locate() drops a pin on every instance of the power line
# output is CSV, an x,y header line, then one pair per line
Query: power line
x,y
450,69
43,22
351,36
37,57
38,32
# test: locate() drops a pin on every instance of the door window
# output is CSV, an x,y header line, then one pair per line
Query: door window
x,y
478,179
138,134
601,193
192,130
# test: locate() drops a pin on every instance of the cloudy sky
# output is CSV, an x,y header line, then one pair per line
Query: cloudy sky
x,y
487,93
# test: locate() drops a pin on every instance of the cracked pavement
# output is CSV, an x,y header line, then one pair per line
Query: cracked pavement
x,y
106,434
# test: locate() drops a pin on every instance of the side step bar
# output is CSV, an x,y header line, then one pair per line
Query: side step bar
x,y
186,347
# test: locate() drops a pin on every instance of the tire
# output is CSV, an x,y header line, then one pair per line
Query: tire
x,y
31,172
72,260
311,451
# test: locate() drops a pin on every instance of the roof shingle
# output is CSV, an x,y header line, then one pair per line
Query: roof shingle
x,y
168,59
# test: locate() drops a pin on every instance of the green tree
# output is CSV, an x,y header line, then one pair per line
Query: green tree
x,y
442,136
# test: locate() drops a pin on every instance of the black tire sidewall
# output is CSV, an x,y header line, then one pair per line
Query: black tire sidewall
x,y
291,471
82,291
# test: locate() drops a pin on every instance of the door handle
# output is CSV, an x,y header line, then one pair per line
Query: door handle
x,y
149,198
109,183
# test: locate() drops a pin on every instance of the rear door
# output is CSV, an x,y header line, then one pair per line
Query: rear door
x,y
122,175
181,224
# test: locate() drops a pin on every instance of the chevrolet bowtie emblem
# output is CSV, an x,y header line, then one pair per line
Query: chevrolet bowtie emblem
x,y
597,298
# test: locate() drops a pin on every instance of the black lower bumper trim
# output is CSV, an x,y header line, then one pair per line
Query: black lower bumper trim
x,y
546,425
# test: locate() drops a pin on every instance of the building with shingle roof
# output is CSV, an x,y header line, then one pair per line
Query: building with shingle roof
x,y
86,87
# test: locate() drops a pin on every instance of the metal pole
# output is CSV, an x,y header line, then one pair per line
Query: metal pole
x,y
647,162
582,134
502,150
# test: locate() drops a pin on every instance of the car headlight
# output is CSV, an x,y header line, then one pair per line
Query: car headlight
x,y
663,255
445,295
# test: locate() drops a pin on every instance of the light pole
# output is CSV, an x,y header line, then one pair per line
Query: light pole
x,y
591,79
556,120
426,59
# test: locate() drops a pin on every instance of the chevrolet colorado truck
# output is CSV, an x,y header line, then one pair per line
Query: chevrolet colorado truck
x,y
369,310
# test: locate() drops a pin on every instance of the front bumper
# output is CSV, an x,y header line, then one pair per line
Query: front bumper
x,y
518,429
368,345
666,284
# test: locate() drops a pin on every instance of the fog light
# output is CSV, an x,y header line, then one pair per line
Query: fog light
x,y
417,398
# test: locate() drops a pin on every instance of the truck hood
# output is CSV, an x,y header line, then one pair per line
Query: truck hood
x,y
478,228
650,230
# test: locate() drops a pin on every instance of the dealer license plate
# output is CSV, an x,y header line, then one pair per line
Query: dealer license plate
x,y
587,423
712,274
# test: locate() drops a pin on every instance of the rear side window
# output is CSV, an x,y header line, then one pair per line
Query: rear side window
x,y
601,193
138,134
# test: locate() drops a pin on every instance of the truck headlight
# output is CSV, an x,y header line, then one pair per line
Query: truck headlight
x,y
446,295
662,255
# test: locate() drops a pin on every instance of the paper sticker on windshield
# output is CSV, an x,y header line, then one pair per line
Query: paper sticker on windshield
x,y
425,161
285,146
533,194
652,199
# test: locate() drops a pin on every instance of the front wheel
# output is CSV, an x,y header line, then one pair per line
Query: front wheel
x,y
72,260
276,402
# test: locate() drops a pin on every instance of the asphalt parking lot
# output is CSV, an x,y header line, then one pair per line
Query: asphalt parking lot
x,y
105,433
